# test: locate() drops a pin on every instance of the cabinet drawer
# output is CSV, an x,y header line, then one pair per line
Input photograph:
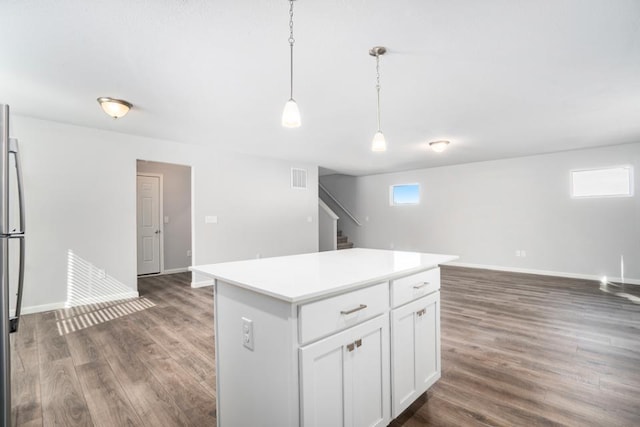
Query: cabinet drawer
x,y
415,286
329,315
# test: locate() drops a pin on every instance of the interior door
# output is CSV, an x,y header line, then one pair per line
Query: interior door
x,y
148,212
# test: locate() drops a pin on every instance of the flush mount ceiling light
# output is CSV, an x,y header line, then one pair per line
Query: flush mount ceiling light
x,y
439,146
291,113
378,144
116,108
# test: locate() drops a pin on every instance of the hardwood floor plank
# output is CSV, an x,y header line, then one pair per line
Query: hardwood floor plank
x,y
52,345
83,348
179,344
107,402
153,404
25,375
436,412
63,401
196,402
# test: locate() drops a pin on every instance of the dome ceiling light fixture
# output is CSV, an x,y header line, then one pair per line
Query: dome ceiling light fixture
x,y
379,144
291,113
439,146
115,108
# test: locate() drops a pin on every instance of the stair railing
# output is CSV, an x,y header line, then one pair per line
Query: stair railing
x,y
340,205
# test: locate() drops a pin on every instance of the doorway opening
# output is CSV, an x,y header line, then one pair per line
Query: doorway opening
x,y
163,218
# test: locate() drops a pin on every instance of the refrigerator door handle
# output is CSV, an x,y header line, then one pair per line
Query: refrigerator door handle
x,y
13,149
14,320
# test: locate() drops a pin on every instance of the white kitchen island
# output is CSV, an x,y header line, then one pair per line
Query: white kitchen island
x,y
339,338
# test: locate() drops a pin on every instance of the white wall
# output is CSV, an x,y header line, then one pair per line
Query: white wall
x,y
327,228
80,187
176,205
486,211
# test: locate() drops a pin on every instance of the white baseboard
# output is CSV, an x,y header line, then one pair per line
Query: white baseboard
x,y
176,270
42,308
202,283
170,271
103,298
543,272
92,300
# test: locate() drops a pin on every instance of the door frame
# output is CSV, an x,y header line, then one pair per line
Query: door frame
x,y
160,220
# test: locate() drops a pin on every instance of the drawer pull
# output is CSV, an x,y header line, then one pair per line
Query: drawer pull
x,y
421,285
359,342
351,347
353,310
422,312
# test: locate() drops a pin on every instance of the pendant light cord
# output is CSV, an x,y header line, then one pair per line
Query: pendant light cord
x,y
378,86
291,42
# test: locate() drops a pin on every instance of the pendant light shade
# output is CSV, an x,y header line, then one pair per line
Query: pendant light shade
x,y
291,115
379,143
116,108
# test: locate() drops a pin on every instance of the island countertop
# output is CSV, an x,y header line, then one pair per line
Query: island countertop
x,y
300,278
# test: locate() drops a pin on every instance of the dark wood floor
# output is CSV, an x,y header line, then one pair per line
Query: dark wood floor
x,y
517,350
145,364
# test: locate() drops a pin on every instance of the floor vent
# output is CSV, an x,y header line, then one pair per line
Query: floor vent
x,y
299,179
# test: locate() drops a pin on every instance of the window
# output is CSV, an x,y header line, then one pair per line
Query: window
x,y
604,182
404,194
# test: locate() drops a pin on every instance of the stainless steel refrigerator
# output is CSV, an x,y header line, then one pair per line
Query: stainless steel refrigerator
x,y
11,240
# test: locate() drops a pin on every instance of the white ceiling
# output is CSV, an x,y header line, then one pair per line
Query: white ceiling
x,y
498,78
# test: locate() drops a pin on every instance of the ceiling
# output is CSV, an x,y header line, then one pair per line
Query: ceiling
x,y
498,78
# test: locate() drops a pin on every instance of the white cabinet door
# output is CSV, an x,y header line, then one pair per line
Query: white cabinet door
x,y
415,350
345,378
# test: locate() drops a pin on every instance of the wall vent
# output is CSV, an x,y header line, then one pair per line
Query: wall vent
x,y
299,179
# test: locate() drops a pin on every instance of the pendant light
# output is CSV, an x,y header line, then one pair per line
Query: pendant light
x,y
291,113
378,144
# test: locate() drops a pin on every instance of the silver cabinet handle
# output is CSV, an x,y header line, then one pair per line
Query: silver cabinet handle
x,y
353,310
420,285
352,346
422,312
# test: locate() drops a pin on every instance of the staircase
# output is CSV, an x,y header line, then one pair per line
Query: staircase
x,y
343,241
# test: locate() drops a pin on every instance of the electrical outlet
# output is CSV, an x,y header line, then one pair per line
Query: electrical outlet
x,y
309,219
391,245
247,333
188,252
166,220
211,219
518,252
523,253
